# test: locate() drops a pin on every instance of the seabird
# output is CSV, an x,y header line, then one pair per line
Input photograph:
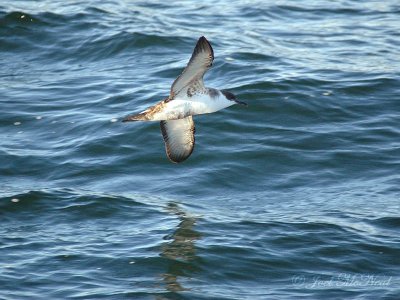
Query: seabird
x,y
188,97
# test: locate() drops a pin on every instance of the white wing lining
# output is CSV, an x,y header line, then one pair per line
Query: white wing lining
x,y
178,138
201,60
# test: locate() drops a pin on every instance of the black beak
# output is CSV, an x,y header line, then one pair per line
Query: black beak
x,y
240,102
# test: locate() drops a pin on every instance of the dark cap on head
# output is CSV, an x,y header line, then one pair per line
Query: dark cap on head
x,y
228,95
232,97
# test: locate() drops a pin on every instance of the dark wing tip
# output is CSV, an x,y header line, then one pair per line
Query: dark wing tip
x,y
176,159
204,45
203,39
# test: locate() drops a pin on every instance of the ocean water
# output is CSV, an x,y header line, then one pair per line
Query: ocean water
x,y
296,196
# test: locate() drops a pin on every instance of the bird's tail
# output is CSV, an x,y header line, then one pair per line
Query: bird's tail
x,y
137,117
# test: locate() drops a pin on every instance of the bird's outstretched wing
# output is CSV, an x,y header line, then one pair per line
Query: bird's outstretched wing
x,y
179,138
192,75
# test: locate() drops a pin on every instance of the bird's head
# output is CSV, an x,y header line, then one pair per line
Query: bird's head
x,y
232,97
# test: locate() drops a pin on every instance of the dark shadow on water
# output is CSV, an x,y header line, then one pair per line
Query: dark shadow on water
x,y
180,250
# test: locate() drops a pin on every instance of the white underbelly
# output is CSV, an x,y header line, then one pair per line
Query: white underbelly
x,y
179,109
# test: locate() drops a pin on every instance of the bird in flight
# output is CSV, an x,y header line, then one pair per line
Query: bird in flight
x,y
188,97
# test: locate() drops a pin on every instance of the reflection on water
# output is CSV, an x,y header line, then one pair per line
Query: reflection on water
x,y
180,250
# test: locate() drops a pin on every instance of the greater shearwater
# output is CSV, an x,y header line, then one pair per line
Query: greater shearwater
x,y
188,97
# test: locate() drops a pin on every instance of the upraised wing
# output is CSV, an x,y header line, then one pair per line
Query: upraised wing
x,y
199,63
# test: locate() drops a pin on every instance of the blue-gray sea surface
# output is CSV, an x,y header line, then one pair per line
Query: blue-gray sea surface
x,y
296,196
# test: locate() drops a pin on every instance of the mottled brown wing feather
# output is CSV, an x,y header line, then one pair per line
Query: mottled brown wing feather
x,y
179,138
201,60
